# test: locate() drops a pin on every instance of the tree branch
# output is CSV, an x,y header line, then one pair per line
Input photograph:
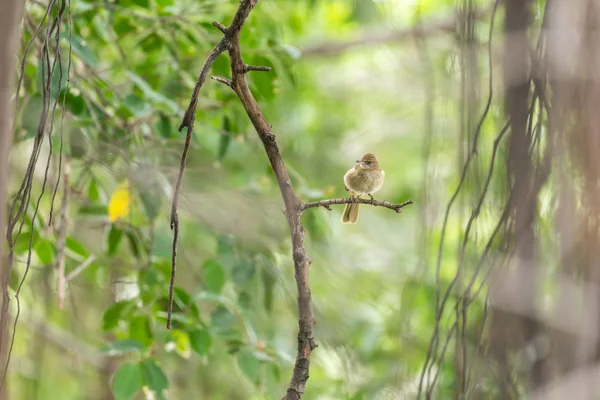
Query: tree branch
x,y
293,205
376,203
188,122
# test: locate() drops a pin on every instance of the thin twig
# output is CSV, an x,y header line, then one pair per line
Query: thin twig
x,y
257,68
376,203
86,263
188,122
224,81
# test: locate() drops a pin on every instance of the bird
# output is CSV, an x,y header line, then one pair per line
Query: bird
x,y
365,178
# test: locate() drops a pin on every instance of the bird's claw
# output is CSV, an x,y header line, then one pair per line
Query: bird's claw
x,y
372,199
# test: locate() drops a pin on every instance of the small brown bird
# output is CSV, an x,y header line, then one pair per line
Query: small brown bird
x,y
364,178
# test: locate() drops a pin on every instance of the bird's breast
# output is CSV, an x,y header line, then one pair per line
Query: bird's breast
x,y
363,181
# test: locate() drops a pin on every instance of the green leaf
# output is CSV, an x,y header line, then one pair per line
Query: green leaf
x,y
45,252
82,50
140,330
163,127
114,240
152,95
214,276
93,209
135,241
123,346
222,318
123,25
182,343
152,42
140,3
148,280
72,100
137,106
115,313
156,380
249,365
22,244
200,341
244,299
127,381
164,3
76,247
243,270
93,192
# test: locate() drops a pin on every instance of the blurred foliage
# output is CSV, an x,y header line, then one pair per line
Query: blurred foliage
x,y
132,68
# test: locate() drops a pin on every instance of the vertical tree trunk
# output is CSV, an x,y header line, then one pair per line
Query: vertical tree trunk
x,y
10,18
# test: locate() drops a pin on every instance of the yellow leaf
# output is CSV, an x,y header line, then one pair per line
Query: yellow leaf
x,y
119,202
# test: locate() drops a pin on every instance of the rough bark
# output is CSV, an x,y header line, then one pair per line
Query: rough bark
x,y
10,17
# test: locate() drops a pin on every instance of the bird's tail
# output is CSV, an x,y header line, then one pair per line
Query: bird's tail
x,y
350,215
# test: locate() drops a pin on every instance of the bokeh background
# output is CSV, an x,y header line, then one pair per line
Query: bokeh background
x,y
481,112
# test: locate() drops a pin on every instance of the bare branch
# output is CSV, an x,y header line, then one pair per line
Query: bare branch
x,y
306,318
256,68
293,205
220,27
376,203
224,81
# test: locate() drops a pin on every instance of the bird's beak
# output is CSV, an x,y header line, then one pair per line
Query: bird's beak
x,y
357,161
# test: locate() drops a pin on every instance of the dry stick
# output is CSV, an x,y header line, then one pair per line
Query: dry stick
x,y
293,205
62,236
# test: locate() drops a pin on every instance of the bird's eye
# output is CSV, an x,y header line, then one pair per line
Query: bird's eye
x,y
368,162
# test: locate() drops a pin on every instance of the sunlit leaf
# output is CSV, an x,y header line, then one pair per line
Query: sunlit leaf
x,y
182,343
140,330
119,204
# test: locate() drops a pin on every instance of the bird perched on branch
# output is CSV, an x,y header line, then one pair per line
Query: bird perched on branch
x,y
364,178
